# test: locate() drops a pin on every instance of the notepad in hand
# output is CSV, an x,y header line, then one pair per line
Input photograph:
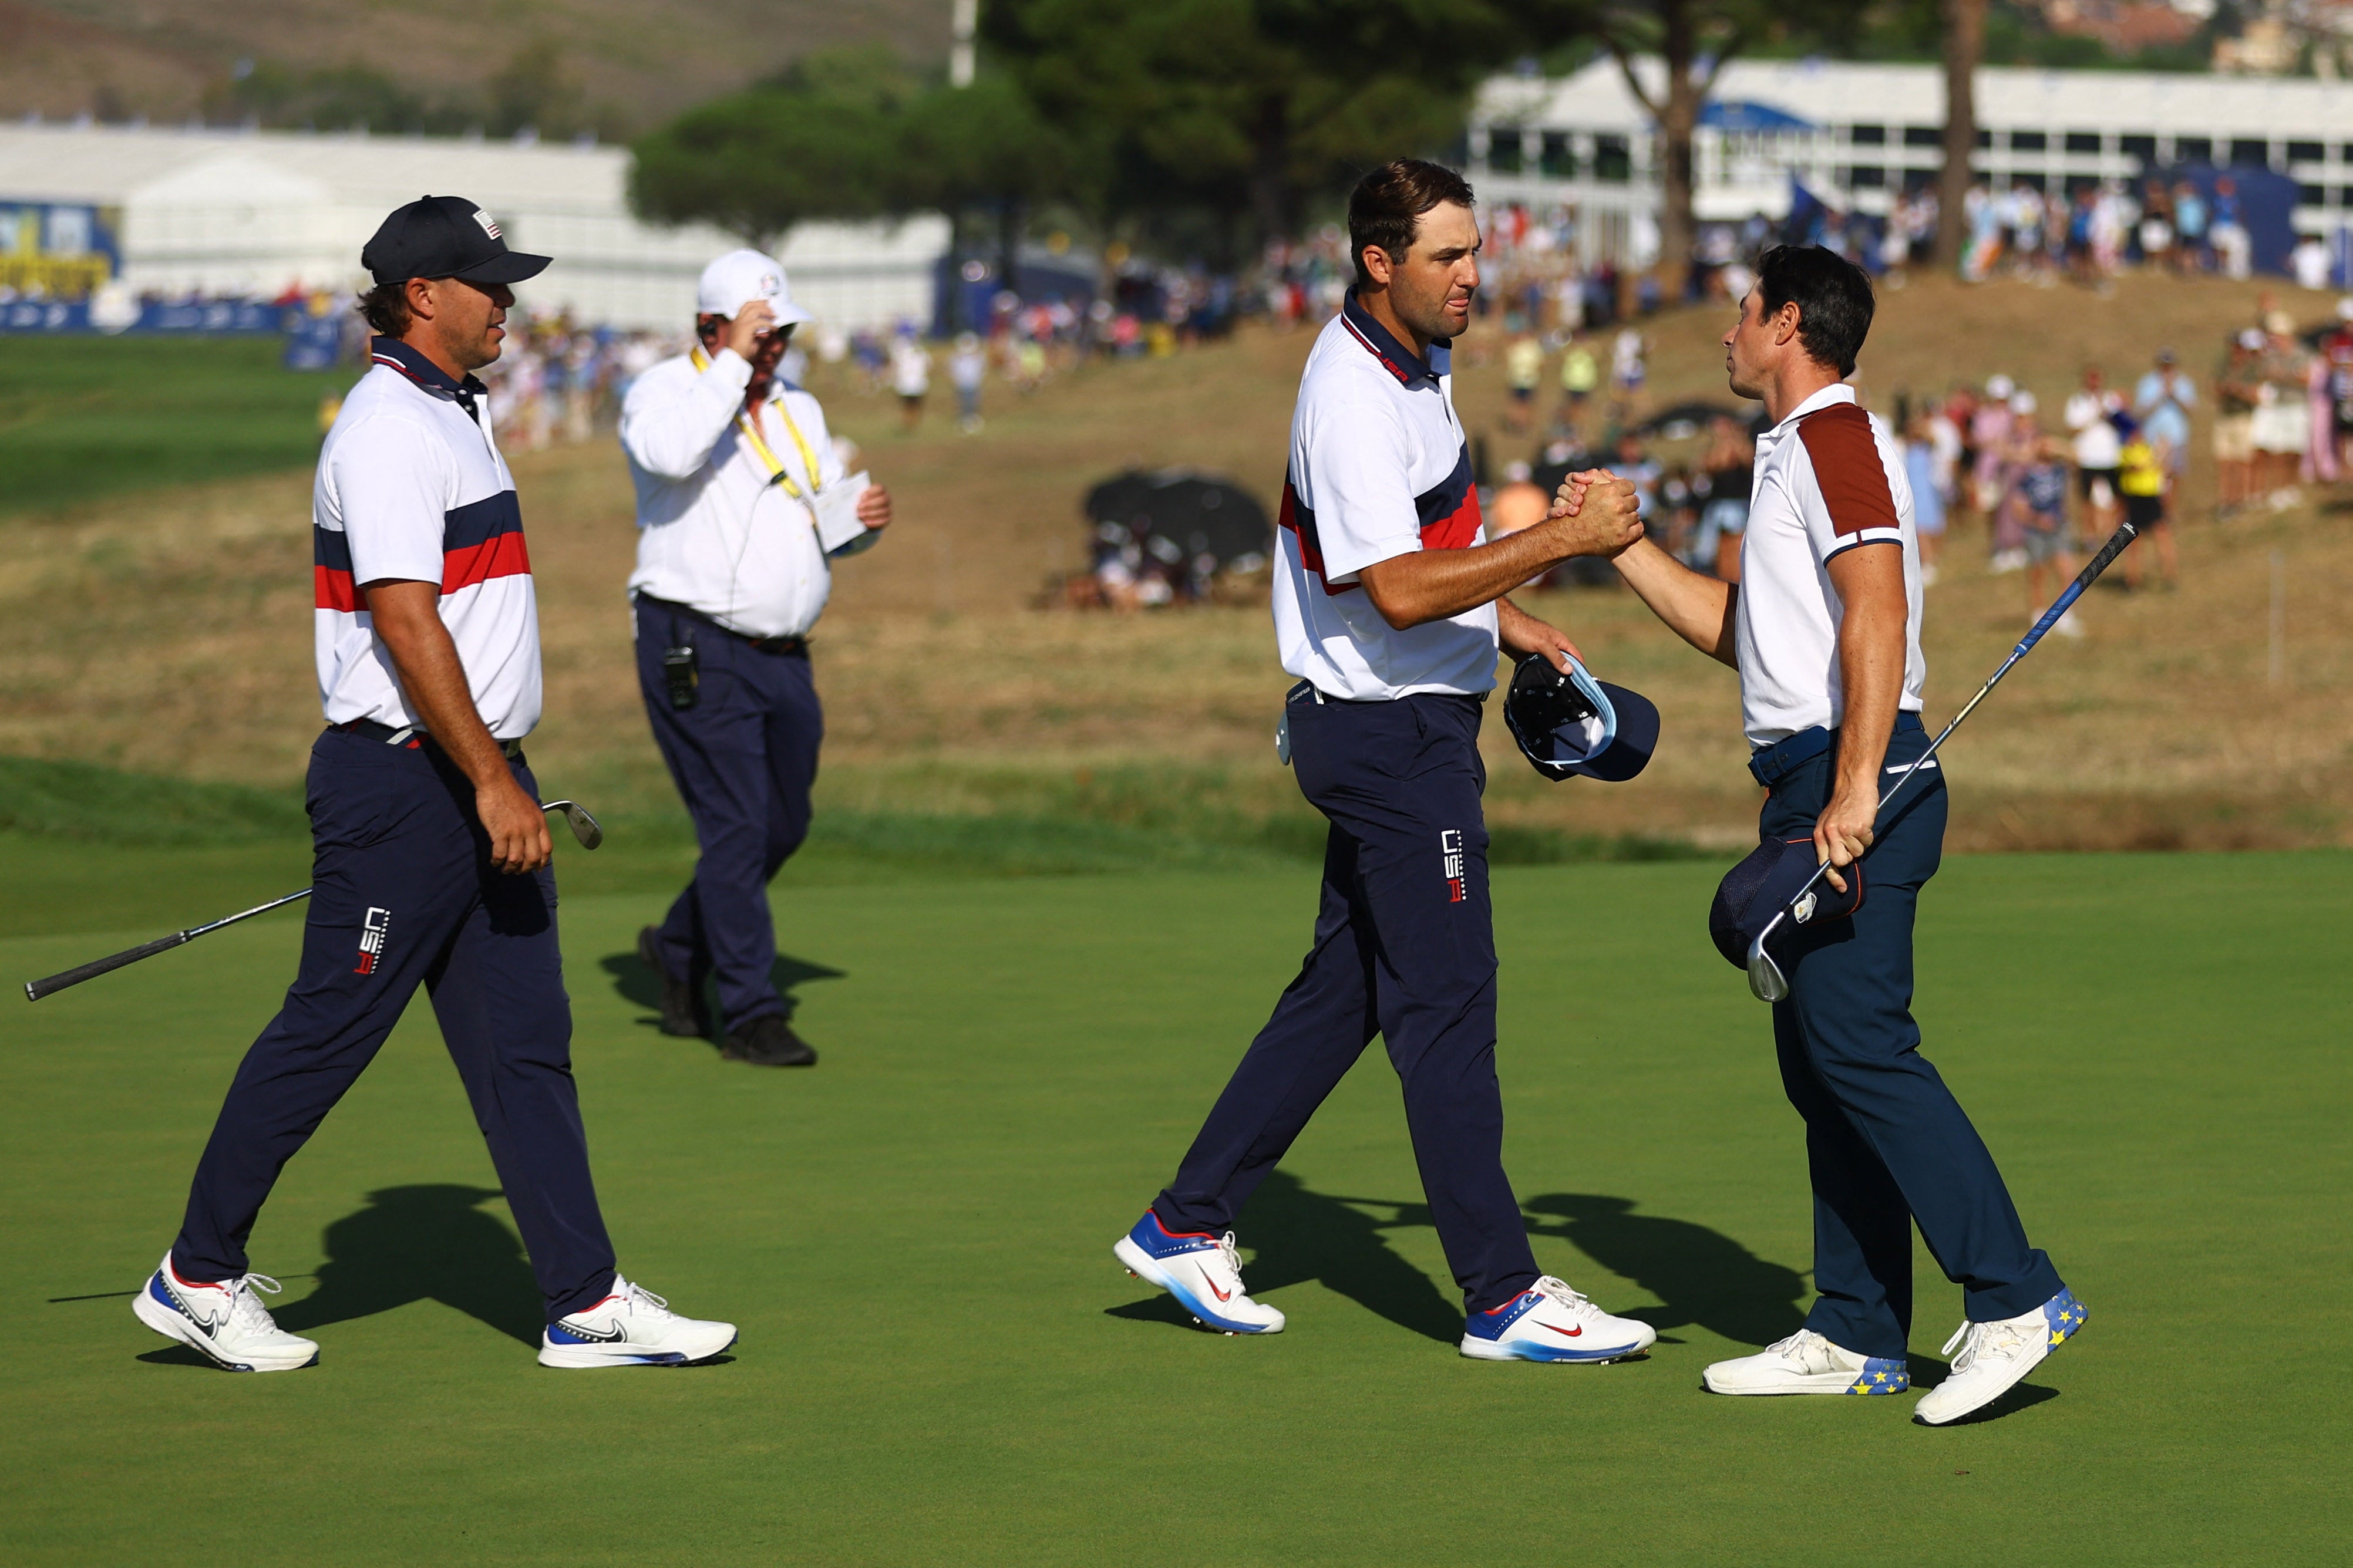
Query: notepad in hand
x,y
839,532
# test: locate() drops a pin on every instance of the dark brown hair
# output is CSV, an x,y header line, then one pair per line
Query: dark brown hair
x,y
1386,207
1833,296
386,308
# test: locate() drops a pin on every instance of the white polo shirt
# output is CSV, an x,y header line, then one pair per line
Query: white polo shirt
x,y
716,533
1379,468
1829,477
411,487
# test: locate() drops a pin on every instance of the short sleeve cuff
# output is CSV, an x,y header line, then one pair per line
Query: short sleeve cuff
x,y
1345,566
1847,541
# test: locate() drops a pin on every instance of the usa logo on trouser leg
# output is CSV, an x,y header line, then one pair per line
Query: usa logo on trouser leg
x,y
372,933
1450,851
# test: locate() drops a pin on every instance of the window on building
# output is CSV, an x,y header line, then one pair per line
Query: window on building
x,y
1918,180
1612,161
2137,146
2307,152
1867,135
2312,196
1923,136
1558,161
2193,149
2028,141
1985,137
1502,149
2084,141
2250,154
1866,177
2077,183
2033,182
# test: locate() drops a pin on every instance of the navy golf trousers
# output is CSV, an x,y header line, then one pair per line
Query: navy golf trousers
x,y
1886,1144
744,758
403,893
1405,948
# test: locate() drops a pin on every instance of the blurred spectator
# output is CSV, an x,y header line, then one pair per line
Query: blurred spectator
x,y
1989,435
2039,494
1928,495
967,369
2142,480
2308,263
2162,402
911,377
1726,468
1523,371
1580,376
1628,367
2238,387
2235,247
2336,350
2282,428
2090,417
2189,220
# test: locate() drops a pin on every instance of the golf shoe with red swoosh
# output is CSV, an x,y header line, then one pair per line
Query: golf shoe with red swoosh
x,y
225,1321
1201,1270
1549,1321
632,1327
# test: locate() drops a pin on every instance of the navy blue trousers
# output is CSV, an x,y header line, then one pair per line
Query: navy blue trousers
x,y
1886,1144
404,894
1405,948
744,758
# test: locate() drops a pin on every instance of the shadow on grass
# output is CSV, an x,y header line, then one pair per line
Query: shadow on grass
x,y
425,1243
1701,1277
635,982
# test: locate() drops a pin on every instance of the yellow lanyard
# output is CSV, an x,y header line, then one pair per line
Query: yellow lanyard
x,y
750,428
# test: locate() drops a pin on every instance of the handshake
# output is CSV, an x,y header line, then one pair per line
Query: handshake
x,y
1594,513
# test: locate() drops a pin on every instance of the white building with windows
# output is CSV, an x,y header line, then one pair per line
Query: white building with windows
x,y
255,213
1856,133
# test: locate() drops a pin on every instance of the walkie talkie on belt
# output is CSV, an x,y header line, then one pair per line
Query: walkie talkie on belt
x,y
681,673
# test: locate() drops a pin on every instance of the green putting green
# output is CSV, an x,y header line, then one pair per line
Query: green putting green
x,y
941,1363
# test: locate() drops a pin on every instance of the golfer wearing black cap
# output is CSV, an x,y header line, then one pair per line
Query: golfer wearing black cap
x,y
1824,627
431,855
1389,607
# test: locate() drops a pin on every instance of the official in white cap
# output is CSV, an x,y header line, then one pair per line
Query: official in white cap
x,y
742,501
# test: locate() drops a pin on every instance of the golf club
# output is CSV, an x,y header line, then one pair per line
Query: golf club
x,y
584,828
1765,981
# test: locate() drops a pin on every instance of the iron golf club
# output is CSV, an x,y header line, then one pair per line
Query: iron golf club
x,y
1765,981
584,828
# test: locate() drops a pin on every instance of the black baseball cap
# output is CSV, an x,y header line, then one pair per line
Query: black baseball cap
x,y
444,237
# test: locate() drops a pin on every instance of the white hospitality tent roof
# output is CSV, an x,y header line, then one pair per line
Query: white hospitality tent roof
x,y
229,211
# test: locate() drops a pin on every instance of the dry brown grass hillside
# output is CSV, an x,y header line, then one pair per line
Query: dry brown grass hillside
x,y
170,633
648,60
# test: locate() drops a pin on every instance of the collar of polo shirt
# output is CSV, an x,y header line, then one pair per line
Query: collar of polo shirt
x,y
1837,392
413,364
1400,362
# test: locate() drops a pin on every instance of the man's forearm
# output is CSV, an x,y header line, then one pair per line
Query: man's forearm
x,y
1434,584
1697,608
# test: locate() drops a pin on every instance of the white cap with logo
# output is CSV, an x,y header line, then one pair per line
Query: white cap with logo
x,y
740,277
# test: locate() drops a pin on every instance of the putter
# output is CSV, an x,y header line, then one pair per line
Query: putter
x,y
1765,981
583,829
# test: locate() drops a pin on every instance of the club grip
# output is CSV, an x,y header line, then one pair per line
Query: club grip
x,y
36,989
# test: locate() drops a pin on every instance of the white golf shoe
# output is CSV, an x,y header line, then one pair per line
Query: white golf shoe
x,y
632,1327
224,1322
1204,1272
1805,1363
1993,1357
1549,1321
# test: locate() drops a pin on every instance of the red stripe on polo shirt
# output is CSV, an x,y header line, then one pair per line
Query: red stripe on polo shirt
x,y
500,555
1458,529
335,590
1853,481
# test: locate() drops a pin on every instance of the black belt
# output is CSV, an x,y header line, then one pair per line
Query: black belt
x,y
1307,690
408,735
795,646
1769,765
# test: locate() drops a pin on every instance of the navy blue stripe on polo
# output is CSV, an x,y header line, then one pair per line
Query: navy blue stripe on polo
x,y
1450,509
479,521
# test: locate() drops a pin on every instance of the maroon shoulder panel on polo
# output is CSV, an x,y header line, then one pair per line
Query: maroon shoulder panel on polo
x,y
1846,462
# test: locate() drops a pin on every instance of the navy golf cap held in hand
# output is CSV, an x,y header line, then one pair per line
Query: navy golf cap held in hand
x,y
444,237
1568,723
1757,889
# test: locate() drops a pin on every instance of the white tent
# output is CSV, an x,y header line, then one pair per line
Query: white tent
x,y
256,212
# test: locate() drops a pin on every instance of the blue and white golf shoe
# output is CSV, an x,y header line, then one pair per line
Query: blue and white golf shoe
x,y
1993,1357
632,1327
1805,1363
1202,1271
224,1322
1549,1321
